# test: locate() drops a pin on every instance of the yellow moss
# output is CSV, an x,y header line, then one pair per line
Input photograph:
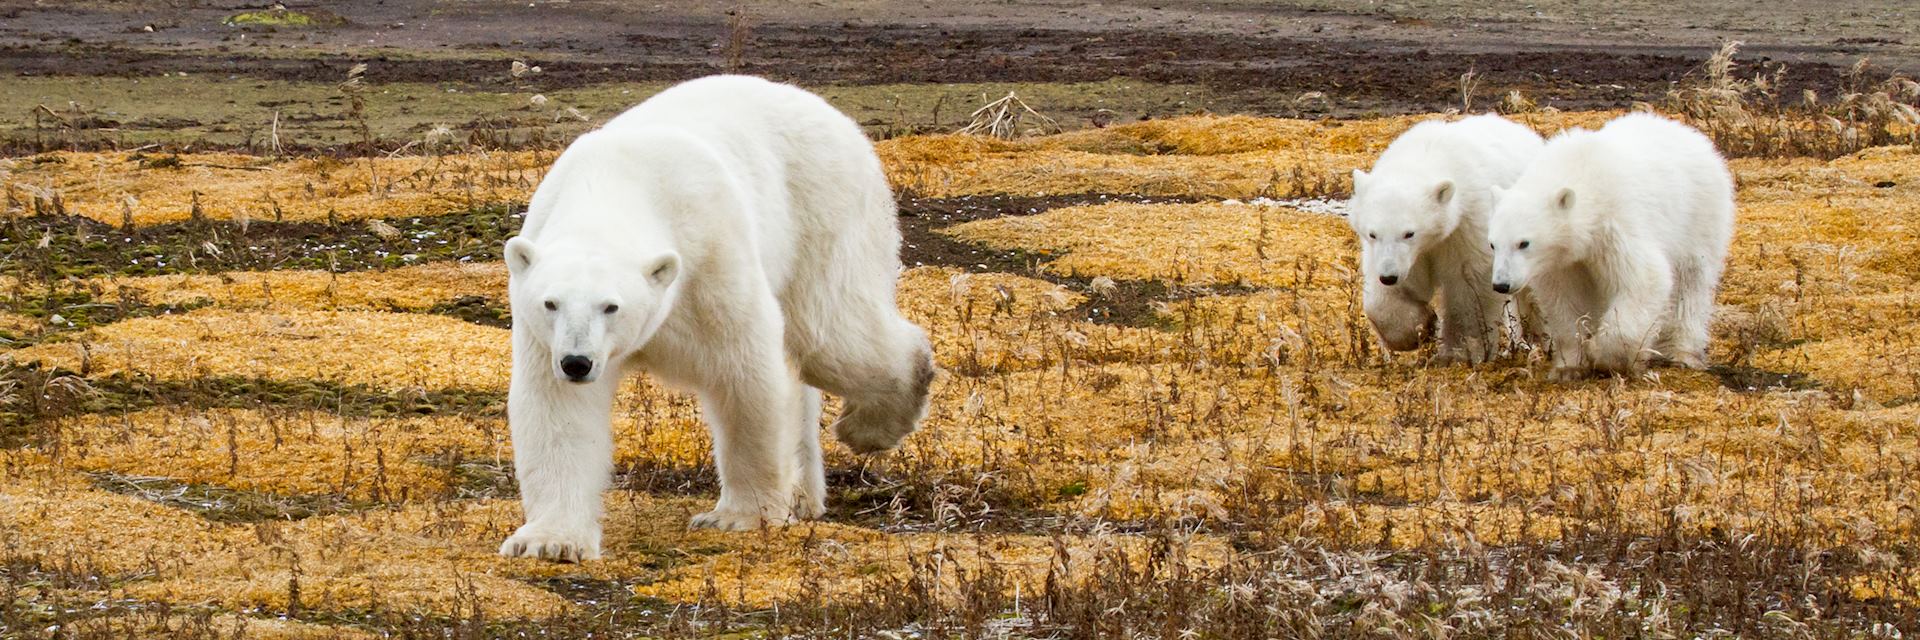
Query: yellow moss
x,y
416,288
835,561
1197,156
224,624
982,322
1206,243
291,454
437,558
18,324
229,186
388,350
56,516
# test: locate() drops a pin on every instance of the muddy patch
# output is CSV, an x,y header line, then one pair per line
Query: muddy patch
x,y
54,245
61,312
225,504
35,398
1747,379
480,310
1261,74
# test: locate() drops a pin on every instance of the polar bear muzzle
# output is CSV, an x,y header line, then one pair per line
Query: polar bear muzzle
x,y
577,368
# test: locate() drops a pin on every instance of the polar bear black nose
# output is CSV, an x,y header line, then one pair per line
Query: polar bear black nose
x,y
1502,287
1389,280
576,367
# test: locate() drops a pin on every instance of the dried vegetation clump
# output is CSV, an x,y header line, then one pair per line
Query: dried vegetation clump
x,y
1753,116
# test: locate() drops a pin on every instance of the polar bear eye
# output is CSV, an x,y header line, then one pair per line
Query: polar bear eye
x,y
551,306
1524,244
1372,236
611,308
1409,236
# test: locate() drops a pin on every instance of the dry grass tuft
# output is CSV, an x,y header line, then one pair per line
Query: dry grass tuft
x,y
1003,118
1749,116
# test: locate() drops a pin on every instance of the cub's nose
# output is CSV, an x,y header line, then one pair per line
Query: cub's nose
x,y
576,367
1502,287
1389,280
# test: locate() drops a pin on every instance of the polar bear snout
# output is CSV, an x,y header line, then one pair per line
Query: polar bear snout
x,y
577,368
1389,280
1502,287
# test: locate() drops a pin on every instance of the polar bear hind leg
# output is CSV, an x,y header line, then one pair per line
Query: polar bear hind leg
x,y
882,375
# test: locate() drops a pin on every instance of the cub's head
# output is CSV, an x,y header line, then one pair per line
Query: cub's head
x,y
1397,220
1402,323
589,309
1530,230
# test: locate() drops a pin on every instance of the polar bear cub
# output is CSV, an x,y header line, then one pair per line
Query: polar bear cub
x,y
1421,216
1621,235
731,236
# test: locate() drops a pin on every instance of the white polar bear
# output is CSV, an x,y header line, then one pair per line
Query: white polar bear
x,y
1621,235
1421,216
731,236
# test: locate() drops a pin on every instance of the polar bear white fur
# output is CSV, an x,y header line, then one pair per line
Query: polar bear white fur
x,y
1421,216
1621,235
730,236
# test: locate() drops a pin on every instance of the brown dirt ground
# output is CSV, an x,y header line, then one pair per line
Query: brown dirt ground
x,y
1365,57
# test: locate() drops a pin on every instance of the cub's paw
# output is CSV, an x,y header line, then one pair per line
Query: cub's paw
x,y
550,543
729,519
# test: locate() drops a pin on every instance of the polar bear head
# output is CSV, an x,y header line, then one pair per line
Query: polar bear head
x,y
589,308
1399,218
1402,323
1531,230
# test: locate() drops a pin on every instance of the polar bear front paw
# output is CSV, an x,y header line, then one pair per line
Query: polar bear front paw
x,y
732,519
807,506
548,543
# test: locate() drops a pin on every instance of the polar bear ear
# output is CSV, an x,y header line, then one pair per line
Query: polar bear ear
x,y
1496,192
1359,176
1443,193
519,253
1564,200
662,271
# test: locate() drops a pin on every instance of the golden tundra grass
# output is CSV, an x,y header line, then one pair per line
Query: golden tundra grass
x,y
1254,420
224,186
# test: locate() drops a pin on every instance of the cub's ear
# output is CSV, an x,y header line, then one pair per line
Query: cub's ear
x,y
662,271
519,254
1443,193
1564,201
1496,192
1359,176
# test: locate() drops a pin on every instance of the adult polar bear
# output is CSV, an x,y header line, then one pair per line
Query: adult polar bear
x,y
734,237
1421,217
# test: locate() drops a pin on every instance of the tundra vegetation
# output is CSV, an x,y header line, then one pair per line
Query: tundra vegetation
x,y
253,393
